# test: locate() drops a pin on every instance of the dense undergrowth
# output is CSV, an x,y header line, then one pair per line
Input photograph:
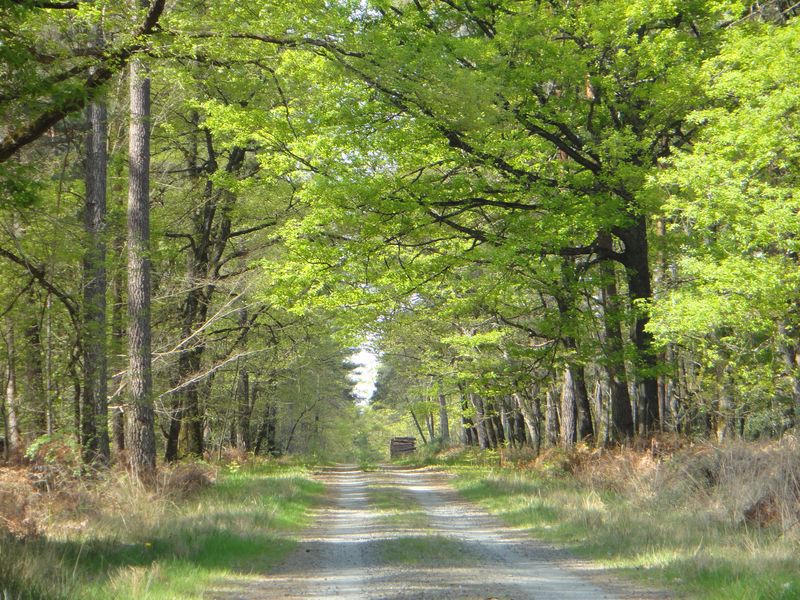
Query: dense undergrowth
x,y
704,521
201,527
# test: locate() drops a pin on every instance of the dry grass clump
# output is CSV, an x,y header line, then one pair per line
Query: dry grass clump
x,y
743,482
18,504
626,471
184,480
230,455
59,501
736,483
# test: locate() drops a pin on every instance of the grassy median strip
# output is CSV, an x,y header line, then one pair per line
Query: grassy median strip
x,y
416,541
125,542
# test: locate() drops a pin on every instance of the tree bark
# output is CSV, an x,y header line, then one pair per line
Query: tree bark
x,y
140,433
419,427
35,398
480,421
444,425
576,421
726,412
614,352
13,435
267,429
117,341
569,411
95,384
636,260
531,412
552,424
244,406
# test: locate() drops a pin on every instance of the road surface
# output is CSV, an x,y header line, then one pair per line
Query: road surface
x,y
399,534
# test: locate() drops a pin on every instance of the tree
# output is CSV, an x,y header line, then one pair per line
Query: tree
x,y
140,435
732,213
95,389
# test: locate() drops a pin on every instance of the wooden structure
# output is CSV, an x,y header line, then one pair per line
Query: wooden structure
x,y
402,445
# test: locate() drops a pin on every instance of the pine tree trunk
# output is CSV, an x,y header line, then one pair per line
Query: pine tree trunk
x,y
117,341
95,385
13,435
140,434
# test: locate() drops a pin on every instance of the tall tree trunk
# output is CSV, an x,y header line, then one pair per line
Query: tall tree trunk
x,y
13,435
95,385
140,433
505,423
265,438
419,427
569,410
245,409
480,421
117,342
552,424
531,412
444,425
726,412
614,354
467,424
636,261
243,420
580,426
429,425
35,398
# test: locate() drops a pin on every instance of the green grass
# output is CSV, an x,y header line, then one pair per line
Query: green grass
x,y
654,541
428,550
397,507
147,548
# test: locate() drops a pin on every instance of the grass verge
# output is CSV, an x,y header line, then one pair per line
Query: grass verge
x,y
663,530
120,541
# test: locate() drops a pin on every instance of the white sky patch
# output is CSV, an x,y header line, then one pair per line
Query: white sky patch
x,y
364,374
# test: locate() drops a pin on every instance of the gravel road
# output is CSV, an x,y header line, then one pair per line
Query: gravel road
x,y
344,554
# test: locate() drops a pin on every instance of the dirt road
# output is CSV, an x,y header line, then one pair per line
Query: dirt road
x,y
406,534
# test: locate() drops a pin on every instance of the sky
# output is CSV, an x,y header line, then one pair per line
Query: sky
x,y
364,374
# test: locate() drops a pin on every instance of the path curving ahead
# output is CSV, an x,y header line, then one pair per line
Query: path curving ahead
x,y
438,547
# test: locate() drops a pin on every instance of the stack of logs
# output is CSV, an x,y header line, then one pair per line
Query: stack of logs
x,y
402,445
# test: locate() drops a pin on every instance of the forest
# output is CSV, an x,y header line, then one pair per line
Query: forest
x,y
529,225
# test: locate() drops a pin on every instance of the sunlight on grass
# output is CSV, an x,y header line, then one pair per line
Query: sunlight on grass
x,y
653,541
397,508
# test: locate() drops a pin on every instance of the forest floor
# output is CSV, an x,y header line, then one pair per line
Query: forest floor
x,y
397,534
